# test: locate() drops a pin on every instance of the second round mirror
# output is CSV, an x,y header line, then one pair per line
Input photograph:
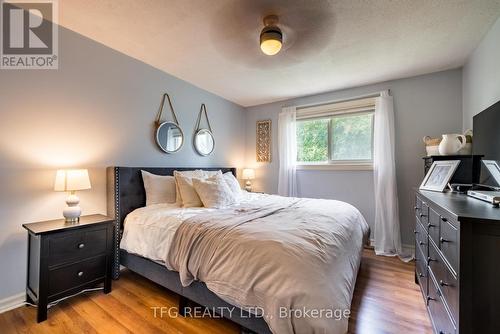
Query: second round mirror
x,y
204,142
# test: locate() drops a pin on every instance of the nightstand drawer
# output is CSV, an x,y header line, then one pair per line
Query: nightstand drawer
x,y
73,275
75,245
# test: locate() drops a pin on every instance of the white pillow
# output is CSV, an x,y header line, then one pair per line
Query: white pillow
x,y
233,184
214,192
189,173
159,188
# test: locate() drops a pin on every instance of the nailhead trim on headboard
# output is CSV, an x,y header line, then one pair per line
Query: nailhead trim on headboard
x,y
116,272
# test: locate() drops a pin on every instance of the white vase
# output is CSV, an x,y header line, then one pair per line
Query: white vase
x,y
451,144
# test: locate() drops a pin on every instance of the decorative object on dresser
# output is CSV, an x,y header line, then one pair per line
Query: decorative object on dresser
x,y
451,144
468,170
248,174
263,144
431,145
203,141
67,259
457,244
72,180
439,175
169,135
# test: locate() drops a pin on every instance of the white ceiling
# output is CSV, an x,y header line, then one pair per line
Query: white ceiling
x,y
328,45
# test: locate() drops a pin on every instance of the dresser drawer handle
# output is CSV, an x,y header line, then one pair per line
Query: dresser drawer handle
x,y
421,243
415,231
80,274
430,259
443,283
430,225
444,219
430,298
416,208
421,275
422,215
442,240
82,245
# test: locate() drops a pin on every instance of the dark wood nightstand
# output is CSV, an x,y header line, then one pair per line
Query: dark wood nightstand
x,y
64,259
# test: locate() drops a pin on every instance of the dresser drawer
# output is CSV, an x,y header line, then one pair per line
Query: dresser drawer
x,y
75,245
448,243
434,225
448,283
440,318
421,270
421,211
73,275
421,238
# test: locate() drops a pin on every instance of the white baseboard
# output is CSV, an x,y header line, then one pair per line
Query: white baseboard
x,y
12,302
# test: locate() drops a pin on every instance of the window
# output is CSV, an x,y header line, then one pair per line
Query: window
x,y
338,135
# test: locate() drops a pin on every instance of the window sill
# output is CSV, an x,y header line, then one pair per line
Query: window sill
x,y
359,166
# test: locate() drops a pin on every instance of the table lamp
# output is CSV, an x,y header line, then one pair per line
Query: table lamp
x,y
248,174
72,180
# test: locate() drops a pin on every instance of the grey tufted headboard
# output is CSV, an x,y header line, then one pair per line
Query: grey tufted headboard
x,y
125,193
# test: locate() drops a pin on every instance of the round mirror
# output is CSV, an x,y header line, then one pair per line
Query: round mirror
x,y
169,137
204,142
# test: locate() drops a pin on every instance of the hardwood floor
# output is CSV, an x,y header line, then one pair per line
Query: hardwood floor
x,y
386,300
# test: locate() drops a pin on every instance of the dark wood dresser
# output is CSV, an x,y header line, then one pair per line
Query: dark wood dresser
x,y
458,261
64,259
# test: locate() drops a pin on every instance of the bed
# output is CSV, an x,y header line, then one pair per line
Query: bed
x,y
239,255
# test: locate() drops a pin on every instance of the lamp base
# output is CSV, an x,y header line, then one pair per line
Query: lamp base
x,y
73,211
248,186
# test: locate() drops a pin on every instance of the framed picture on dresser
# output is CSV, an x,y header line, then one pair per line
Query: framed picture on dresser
x,y
439,175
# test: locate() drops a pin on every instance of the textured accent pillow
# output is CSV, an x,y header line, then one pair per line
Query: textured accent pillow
x,y
233,184
159,188
198,173
214,192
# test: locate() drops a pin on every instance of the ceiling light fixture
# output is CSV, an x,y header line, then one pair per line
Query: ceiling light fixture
x,y
271,37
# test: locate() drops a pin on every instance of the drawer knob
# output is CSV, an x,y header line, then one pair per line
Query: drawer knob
x,y
421,243
444,219
430,259
81,245
421,275
443,283
442,240
430,298
415,207
415,231
422,215
430,225
80,274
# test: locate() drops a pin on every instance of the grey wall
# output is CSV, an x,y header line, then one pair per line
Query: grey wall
x,y
97,110
424,105
481,76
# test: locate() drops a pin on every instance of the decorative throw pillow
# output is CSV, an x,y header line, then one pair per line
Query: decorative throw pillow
x,y
159,188
214,192
233,184
198,173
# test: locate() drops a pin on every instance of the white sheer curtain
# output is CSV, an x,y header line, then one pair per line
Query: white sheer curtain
x,y
386,232
287,145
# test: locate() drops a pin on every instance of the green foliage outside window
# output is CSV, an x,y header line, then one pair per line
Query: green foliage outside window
x,y
351,138
312,140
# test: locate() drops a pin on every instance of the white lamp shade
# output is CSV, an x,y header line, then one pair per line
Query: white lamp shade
x,y
248,174
71,180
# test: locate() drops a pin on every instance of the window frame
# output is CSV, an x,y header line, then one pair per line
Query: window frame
x,y
329,111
